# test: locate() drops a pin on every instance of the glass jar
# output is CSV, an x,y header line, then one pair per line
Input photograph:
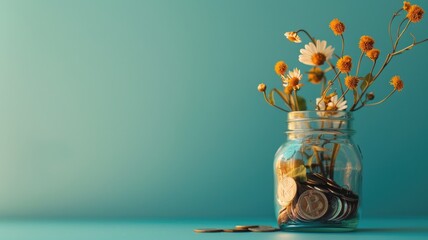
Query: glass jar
x,y
318,173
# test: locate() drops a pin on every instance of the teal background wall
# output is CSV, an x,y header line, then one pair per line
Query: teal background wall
x,y
150,108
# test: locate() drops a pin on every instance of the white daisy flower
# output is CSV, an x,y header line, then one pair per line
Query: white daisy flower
x,y
293,79
293,37
294,74
284,81
335,105
320,104
316,54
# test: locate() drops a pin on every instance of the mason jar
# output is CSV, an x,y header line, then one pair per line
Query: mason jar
x,y
318,173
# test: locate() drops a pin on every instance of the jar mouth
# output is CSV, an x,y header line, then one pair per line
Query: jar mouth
x,y
322,122
308,115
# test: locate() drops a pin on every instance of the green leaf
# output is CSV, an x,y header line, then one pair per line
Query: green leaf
x,y
366,81
282,95
368,78
301,103
355,95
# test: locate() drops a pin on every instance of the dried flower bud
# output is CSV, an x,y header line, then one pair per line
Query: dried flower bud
x,y
351,82
344,64
415,13
261,87
370,96
280,67
397,83
366,43
337,26
373,54
406,6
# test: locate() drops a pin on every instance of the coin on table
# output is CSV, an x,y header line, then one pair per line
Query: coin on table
x,y
232,230
245,227
264,229
312,204
286,191
208,230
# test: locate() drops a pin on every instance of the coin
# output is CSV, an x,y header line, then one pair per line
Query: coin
x,y
208,230
336,207
312,205
283,216
232,230
286,191
264,229
245,227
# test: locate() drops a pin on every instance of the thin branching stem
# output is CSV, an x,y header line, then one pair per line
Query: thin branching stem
x,y
272,104
399,36
359,63
296,103
343,44
343,95
409,47
399,26
309,35
383,100
330,83
390,24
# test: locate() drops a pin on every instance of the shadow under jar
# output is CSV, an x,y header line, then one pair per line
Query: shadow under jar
x,y
318,173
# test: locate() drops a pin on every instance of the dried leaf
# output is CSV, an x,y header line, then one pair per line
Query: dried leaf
x,y
271,98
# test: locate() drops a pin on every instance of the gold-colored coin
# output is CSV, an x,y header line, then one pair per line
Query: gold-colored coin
x,y
286,190
232,230
208,230
264,229
245,227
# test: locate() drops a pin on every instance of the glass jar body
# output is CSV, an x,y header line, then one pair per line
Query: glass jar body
x,y
318,174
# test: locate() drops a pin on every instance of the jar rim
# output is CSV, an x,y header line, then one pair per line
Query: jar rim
x,y
318,114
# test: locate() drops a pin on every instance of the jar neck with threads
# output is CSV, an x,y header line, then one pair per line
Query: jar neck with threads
x,y
328,124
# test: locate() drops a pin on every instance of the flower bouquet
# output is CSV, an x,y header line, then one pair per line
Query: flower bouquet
x,y
318,169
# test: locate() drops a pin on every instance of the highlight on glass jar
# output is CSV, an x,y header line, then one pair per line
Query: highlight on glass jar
x,y
318,173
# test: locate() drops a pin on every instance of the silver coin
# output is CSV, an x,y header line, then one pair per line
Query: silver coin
x,y
336,206
312,205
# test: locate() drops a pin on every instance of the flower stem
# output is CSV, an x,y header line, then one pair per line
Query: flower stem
x,y
296,103
323,84
390,24
343,95
307,34
330,83
399,36
343,44
383,100
409,47
399,26
273,104
358,65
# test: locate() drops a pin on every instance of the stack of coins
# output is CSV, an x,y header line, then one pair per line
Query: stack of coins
x,y
316,199
237,229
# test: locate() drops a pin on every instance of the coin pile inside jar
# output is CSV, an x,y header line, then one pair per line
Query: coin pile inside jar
x,y
316,199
